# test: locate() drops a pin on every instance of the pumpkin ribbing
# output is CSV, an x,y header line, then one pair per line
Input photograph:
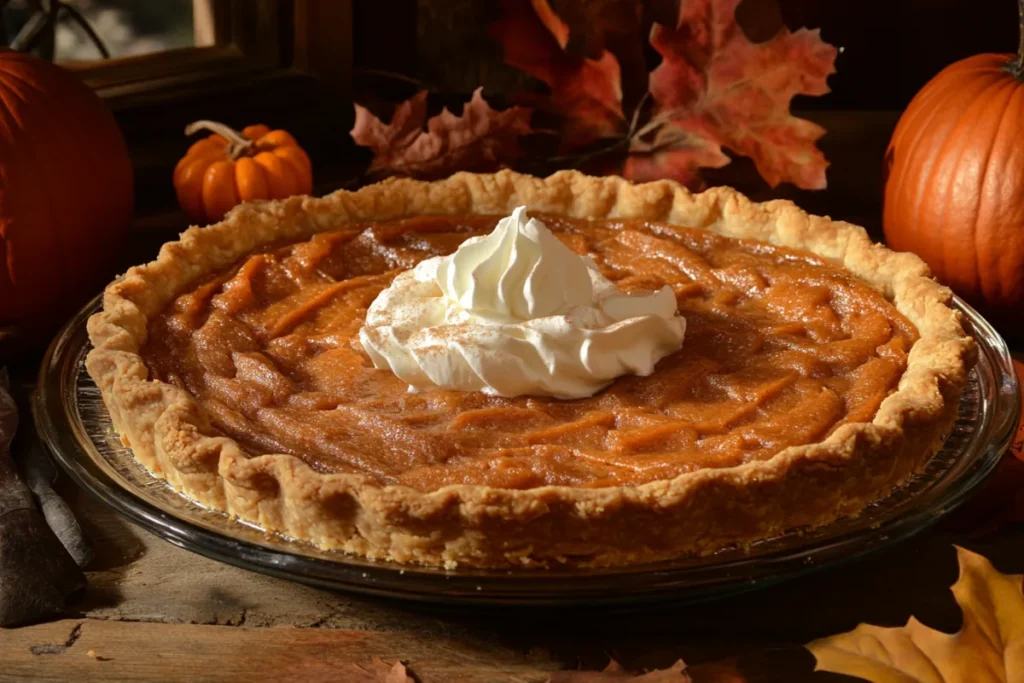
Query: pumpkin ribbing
x,y
954,189
66,193
229,167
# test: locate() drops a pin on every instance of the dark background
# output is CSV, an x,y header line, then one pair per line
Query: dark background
x,y
890,47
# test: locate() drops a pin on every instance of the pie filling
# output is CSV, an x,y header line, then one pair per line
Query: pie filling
x,y
781,348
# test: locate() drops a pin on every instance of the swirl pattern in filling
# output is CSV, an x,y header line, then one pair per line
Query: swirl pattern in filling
x,y
781,349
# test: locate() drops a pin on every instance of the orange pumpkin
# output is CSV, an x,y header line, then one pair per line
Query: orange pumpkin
x,y
66,195
954,191
228,167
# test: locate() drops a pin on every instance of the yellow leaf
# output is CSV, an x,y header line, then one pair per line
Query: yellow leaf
x,y
989,646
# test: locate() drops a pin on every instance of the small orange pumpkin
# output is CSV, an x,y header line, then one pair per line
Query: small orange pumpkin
x,y
954,192
229,167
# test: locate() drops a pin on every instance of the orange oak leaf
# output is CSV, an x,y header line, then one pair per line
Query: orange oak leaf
x,y
481,139
587,91
715,85
988,647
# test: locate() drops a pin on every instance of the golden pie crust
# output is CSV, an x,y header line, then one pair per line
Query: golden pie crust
x,y
697,512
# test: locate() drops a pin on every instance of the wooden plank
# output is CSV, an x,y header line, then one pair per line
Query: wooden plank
x,y
96,650
138,577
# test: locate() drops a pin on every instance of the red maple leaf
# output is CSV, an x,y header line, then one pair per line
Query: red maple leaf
x,y
588,92
715,88
481,139
590,27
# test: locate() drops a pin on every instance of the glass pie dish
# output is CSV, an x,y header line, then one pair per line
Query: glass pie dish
x,y
73,421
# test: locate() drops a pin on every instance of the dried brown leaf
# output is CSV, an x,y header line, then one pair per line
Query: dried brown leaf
x,y
589,28
480,139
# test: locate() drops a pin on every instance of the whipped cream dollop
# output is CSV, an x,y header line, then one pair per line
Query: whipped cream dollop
x,y
517,312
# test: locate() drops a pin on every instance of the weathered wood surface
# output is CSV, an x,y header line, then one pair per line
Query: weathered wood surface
x,y
136,576
153,611
94,650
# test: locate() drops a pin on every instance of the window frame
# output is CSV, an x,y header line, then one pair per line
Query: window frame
x,y
299,78
254,41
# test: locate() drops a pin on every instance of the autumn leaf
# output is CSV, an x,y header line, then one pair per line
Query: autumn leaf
x,y
988,647
481,139
614,672
587,91
715,88
591,27
673,153
379,672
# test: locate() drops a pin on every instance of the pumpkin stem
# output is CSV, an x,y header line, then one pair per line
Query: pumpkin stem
x,y
238,144
1016,65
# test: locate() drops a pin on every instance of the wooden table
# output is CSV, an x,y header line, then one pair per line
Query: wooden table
x,y
153,611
